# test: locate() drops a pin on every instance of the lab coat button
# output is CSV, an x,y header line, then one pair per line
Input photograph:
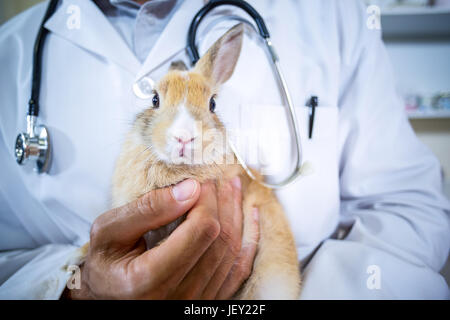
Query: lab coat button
x,y
143,88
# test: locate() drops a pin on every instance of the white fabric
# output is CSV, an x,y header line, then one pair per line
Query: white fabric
x,y
139,25
373,202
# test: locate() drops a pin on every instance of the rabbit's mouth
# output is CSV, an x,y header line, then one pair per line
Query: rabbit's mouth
x,y
196,151
184,152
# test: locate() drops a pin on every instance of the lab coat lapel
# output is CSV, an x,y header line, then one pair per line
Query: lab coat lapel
x,y
92,31
173,38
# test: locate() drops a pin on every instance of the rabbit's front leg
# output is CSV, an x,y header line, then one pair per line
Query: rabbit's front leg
x,y
276,270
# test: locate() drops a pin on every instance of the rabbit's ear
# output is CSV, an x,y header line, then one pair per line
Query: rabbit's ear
x,y
218,64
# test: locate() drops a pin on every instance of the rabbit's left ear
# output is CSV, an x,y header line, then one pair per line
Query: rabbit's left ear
x,y
218,64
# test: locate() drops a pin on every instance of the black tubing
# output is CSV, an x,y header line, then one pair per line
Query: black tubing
x,y
192,49
33,104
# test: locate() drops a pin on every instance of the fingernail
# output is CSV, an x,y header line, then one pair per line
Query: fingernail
x,y
236,182
255,213
184,190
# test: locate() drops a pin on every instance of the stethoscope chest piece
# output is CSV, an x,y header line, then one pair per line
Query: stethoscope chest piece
x,y
35,145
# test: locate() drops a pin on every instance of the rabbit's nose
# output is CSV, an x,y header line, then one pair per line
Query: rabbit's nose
x,y
184,140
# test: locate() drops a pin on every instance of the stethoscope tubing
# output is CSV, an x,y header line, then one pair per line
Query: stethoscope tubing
x,y
33,104
192,32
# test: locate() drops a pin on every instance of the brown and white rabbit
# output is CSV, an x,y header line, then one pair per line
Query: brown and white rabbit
x,y
184,105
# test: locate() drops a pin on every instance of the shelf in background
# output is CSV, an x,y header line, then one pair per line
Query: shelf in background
x,y
396,11
416,22
441,114
447,190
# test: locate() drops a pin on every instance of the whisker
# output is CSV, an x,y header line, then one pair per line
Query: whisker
x,y
142,151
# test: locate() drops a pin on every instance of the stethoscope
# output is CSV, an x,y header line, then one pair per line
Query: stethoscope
x,y
35,144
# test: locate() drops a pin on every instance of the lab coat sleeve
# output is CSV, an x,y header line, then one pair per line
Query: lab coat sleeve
x,y
29,267
32,266
40,273
392,205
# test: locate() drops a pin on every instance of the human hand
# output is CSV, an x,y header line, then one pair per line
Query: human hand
x,y
228,262
198,260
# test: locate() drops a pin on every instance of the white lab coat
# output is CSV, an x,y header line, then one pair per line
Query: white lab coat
x,y
369,222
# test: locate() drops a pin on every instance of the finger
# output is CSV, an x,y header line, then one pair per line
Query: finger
x,y
126,224
172,260
242,268
203,272
230,236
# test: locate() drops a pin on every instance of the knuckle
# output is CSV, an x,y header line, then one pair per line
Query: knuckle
x,y
244,270
226,194
204,212
226,189
96,230
148,204
210,188
209,228
231,239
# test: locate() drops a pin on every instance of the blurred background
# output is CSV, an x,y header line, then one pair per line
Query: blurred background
x,y
417,37
9,8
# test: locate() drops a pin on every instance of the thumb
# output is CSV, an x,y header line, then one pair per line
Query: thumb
x,y
126,224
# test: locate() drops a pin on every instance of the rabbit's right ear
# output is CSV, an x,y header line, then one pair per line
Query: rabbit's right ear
x,y
218,64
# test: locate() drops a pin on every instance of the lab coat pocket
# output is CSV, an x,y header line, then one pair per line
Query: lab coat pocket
x,y
262,137
266,136
312,201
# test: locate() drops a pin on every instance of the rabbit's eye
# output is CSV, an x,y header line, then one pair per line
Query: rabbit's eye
x,y
212,104
155,101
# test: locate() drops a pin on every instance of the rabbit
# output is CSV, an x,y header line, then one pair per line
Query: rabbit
x,y
186,98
